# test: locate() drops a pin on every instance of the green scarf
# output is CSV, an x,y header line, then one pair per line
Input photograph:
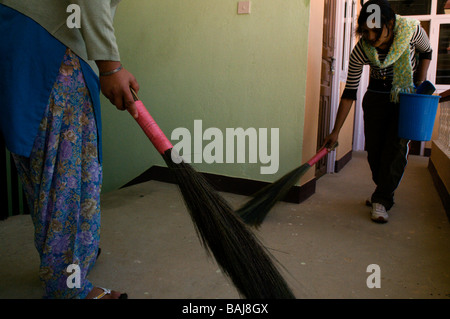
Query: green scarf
x,y
399,55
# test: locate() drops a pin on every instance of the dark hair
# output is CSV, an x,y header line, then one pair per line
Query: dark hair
x,y
386,12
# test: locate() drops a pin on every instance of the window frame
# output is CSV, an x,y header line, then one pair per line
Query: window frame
x,y
435,21
348,33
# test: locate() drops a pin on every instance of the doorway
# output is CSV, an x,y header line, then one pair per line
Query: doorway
x,y
326,83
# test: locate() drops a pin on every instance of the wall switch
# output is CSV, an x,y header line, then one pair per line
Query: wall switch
x,y
244,7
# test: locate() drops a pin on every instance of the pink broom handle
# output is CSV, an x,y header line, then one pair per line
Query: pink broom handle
x,y
150,128
321,153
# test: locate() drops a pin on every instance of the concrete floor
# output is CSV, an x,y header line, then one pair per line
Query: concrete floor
x,y
150,248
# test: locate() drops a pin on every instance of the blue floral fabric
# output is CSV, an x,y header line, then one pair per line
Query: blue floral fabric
x,y
30,58
62,180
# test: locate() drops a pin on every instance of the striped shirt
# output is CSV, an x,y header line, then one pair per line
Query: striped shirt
x,y
420,48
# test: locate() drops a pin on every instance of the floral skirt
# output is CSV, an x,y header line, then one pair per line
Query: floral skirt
x,y
62,182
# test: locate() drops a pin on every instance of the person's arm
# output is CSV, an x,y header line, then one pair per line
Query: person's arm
x,y
97,29
345,106
98,33
116,86
355,68
421,73
422,44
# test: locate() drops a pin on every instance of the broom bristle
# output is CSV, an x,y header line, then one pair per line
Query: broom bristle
x,y
236,249
255,210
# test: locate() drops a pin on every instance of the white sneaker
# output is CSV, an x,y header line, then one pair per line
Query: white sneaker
x,y
378,213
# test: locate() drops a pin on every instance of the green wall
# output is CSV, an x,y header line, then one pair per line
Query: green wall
x,y
200,60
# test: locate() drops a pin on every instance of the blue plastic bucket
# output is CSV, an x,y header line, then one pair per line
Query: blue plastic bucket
x,y
417,115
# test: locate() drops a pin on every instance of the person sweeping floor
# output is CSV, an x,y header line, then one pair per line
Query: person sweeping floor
x,y
399,53
50,120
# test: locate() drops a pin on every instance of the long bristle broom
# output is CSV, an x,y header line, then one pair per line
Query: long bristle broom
x,y
236,249
255,210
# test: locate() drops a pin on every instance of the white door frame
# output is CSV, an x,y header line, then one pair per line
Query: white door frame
x,y
341,67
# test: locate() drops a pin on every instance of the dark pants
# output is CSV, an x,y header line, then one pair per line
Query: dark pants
x,y
387,153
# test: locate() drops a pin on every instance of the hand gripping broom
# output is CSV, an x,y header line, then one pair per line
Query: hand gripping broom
x,y
255,210
236,249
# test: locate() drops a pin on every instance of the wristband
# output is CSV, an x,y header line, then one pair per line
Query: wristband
x,y
112,71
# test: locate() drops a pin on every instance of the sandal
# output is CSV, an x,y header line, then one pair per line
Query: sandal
x,y
108,292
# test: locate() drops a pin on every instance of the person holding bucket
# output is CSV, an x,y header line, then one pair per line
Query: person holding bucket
x,y
398,51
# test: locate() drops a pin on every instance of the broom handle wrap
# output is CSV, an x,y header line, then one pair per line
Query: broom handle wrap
x,y
151,129
321,153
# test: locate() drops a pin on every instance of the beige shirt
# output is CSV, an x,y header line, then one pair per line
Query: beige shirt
x,y
94,40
